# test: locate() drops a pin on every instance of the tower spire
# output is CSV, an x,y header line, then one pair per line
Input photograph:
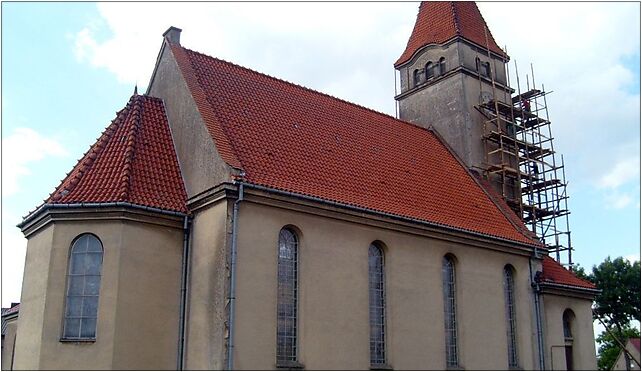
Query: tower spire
x,y
440,21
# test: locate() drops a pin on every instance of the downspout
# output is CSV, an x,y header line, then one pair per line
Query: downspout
x,y
232,298
183,302
538,313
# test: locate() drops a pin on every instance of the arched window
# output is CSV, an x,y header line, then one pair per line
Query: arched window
x,y
511,330
477,64
377,294
442,66
416,77
430,72
567,325
286,328
83,288
450,311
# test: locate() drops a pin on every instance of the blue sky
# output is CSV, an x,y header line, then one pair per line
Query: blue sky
x,y
68,67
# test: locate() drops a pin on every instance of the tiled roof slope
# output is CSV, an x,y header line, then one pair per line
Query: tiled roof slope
x,y
555,273
440,21
294,139
133,161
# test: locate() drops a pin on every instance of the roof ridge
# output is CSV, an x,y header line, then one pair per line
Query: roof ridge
x,y
135,111
301,87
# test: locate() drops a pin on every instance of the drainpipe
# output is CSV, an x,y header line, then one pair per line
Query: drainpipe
x,y
230,343
183,301
538,313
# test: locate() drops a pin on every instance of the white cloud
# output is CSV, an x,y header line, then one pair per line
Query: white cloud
x,y
617,200
623,172
307,43
347,50
22,147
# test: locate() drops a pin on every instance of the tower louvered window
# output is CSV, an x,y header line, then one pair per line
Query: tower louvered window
x,y
286,332
430,73
83,288
377,296
442,66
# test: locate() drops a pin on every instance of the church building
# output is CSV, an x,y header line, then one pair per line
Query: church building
x,y
227,219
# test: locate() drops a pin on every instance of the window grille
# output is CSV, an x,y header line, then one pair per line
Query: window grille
x,y
511,330
286,333
377,305
450,311
83,288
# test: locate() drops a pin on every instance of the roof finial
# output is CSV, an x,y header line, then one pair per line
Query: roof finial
x,y
136,89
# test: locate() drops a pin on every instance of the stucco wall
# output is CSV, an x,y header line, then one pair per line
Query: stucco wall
x,y
333,298
8,343
201,165
140,277
205,347
32,299
581,328
147,312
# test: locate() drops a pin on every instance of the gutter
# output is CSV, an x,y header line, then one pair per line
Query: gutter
x,y
47,206
534,246
538,312
183,300
232,297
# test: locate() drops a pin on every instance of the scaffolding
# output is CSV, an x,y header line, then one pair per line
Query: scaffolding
x,y
521,162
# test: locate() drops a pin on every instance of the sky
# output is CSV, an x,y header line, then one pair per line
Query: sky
x,y
68,67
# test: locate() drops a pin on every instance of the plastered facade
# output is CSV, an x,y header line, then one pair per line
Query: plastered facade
x,y
8,344
333,295
555,303
208,288
140,281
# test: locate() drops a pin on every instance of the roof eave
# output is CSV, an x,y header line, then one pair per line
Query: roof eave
x,y
523,245
51,206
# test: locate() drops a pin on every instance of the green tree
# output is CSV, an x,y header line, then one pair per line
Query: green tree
x,y
619,301
609,349
617,304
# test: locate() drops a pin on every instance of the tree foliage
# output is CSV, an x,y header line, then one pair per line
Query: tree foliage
x,y
617,304
609,349
619,301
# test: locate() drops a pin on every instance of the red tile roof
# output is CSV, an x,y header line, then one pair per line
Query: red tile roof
x,y
553,272
133,161
291,138
439,21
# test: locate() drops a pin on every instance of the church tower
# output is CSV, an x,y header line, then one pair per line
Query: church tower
x,y
453,79
450,66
